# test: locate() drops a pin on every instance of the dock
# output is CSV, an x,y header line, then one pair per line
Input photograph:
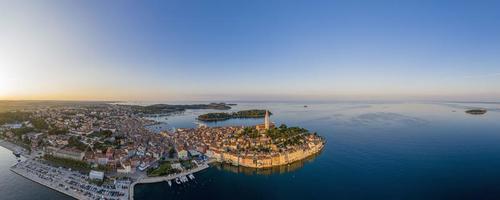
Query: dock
x,y
165,178
40,181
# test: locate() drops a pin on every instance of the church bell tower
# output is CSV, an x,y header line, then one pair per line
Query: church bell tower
x,y
266,121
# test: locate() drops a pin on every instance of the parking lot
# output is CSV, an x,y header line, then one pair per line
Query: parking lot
x,y
71,183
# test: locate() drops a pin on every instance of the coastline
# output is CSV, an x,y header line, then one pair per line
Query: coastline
x,y
258,163
158,179
26,176
13,147
269,161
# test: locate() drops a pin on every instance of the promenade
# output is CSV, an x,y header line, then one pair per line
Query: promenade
x,y
46,183
13,147
166,178
75,185
71,183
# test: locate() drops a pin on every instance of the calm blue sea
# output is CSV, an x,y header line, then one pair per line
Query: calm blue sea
x,y
373,151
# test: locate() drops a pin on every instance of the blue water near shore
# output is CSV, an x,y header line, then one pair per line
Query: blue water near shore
x,y
373,151
15,187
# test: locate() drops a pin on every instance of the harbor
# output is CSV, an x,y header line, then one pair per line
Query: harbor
x,y
69,182
177,178
96,164
77,185
17,150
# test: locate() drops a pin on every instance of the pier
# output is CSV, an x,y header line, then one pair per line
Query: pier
x,y
166,178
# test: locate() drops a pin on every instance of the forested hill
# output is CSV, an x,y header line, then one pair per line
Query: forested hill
x,y
211,117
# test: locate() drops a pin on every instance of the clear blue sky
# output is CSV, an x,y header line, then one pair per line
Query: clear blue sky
x,y
253,50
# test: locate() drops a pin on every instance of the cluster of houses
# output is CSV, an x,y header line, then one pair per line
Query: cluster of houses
x,y
226,144
128,146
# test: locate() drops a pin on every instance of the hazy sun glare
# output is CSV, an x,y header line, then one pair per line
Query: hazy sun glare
x,y
4,84
7,83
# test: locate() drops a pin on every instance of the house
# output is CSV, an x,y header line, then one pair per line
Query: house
x,y
68,153
176,166
125,168
96,175
102,160
182,154
194,153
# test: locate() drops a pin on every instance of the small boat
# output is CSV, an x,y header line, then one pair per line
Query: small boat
x,y
169,183
177,181
191,176
17,153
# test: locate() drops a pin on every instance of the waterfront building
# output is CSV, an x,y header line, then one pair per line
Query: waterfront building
x,y
176,166
194,153
96,175
67,153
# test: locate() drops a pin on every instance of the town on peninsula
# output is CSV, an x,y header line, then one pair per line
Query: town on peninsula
x,y
101,150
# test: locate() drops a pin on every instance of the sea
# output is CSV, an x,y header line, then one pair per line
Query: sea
x,y
374,150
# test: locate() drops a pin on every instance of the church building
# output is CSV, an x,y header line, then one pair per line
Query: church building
x,y
267,123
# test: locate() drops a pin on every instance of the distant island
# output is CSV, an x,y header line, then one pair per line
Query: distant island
x,y
476,111
167,108
221,116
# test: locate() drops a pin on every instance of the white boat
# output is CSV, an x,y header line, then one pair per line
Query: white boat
x,y
177,181
169,183
191,176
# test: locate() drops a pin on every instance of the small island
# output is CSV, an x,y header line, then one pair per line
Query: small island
x,y
213,117
156,109
476,111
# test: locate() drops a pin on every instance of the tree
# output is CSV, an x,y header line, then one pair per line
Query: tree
x,y
13,117
171,153
56,131
39,123
75,142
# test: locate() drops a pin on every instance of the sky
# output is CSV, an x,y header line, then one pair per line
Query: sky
x,y
250,50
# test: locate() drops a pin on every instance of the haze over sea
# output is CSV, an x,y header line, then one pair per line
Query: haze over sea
x,y
374,150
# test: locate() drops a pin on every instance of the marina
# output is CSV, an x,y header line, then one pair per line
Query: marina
x,y
177,178
76,185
